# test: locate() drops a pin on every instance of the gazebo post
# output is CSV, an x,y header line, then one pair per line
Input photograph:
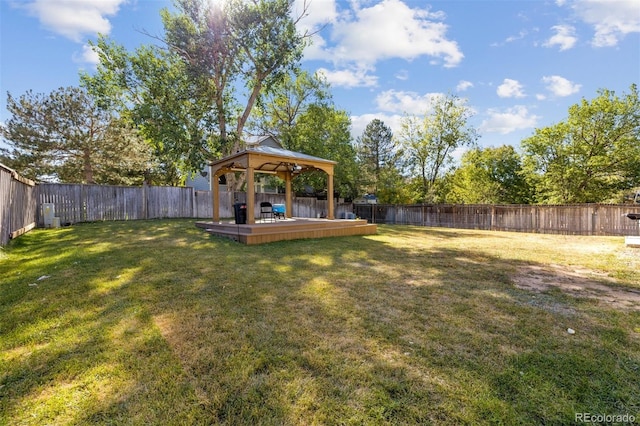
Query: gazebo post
x,y
330,214
251,196
215,194
288,199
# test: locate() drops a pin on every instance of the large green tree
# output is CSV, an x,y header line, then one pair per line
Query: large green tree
x,y
65,136
278,111
152,89
429,142
184,93
489,176
324,131
593,156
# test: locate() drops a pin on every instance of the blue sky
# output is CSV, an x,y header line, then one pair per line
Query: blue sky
x,y
519,64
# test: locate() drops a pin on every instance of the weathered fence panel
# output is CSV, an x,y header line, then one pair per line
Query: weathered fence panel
x,y
17,205
202,204
513,218
170,202
309,207
90,203
103,202
67,200
582,219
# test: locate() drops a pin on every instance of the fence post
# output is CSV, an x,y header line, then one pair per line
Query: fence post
x,y
145,195
193,202
492,218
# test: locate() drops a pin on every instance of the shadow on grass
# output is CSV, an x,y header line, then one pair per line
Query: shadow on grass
x,y
156,322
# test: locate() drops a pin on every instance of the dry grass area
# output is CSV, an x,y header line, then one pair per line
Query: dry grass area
x,y
580,282
156,322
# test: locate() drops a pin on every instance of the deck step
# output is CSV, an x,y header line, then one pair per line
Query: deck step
x,y
288,230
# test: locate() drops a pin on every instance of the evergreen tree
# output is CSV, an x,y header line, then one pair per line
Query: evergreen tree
x,y
377,151
65,136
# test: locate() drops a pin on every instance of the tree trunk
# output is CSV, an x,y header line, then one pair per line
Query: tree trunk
x,y
86,167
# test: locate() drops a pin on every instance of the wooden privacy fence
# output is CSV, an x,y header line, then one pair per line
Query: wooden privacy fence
x,y
22,208
17,204
580,219
74,203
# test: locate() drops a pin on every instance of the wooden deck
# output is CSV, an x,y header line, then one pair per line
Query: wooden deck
x,y
288,229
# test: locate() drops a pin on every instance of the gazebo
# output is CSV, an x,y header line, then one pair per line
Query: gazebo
x,y
275,161
286,165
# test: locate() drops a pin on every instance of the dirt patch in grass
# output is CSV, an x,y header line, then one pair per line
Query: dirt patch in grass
x,y
577,282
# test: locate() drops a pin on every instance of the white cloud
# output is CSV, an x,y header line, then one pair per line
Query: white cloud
x,y
406,102
560,86
317,49
611,20
358,77
88,56
74,19
510,89
521,35
388,29
509,120
564,37
402,75
316,14
463,85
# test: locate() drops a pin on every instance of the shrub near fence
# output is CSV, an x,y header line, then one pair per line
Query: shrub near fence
x,y
581,219
17,204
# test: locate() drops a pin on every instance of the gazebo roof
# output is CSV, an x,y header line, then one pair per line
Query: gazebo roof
x,y
276,161
272,160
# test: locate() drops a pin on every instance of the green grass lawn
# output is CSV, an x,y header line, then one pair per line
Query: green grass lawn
x,y
157,322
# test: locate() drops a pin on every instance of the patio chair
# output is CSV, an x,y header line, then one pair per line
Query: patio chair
x,y
266,211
